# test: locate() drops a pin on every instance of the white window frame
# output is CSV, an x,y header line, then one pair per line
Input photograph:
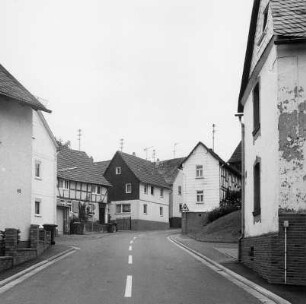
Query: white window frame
x,y
145,188
37,201
121,208
161,192
66,184
199,171
37,166
152,190
200,197
118,170
145,209
179,190
128,188
161,211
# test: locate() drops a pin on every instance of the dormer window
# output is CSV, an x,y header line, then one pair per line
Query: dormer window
x,y
118,170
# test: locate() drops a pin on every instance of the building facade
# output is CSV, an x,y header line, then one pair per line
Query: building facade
x,y
82,192
44,165
272,100
139,197
207,180
16,153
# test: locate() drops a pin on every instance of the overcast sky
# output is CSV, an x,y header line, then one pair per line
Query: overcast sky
x,y
154,72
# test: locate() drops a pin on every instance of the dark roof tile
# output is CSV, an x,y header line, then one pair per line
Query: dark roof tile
x,y
11,87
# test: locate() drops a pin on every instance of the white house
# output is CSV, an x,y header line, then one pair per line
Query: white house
x,y
16,153
272,102
206,181
139,197
44,169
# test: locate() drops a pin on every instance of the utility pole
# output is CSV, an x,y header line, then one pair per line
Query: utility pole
x,y
174,149
146,150
213,136
79,138
121,144
154,155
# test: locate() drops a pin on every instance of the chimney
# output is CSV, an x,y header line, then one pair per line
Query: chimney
x,y
134,154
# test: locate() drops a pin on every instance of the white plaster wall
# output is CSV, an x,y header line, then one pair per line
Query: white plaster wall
x,y
260,44
15,166
137,211
156,198
265,147
153,212
210,182
176,198
292,127
43,188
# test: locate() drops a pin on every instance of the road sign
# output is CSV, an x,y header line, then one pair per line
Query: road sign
x,y
185,208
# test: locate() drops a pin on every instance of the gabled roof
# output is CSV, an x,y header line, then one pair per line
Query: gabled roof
x,y
289,24
144,170
11,87
46,125
213,154
78,166
169,169
237,155
102,165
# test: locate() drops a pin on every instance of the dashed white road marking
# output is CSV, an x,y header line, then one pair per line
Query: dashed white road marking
x,y
131,242
130,259
130,248
128,286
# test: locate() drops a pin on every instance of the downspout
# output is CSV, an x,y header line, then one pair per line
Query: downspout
x,y
240,116
286,225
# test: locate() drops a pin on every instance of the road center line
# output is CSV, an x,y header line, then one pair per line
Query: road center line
x,y
130,248
128,286
130,259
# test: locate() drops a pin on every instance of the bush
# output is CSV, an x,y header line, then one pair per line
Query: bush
x,y
221,211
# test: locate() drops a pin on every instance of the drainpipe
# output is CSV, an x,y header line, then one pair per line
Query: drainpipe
x,y
240,116
286,225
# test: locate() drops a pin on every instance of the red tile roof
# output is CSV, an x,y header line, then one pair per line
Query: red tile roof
x,y
237,155
11,87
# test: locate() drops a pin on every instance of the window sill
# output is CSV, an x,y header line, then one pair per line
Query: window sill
x,y
199,203
38,215
199,177
38,178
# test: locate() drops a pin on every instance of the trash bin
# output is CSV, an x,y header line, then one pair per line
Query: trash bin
x,y
51,228
111,227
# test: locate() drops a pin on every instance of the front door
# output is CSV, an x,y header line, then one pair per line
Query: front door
x,y
102,214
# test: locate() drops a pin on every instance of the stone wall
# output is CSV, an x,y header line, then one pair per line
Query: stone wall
x,y
265,254
193,221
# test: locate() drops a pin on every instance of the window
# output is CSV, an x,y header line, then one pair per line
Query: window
x,y
257,208
99,189
118,170
180,207
199,171
128,188
37,169
161,192
61,183
145,209
256,109
37,207
66,184
152,190
161,211
145,188
200,196
123,208
265,18
179,190
95,189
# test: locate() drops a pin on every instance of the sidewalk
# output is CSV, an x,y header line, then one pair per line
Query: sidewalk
x,y
226,254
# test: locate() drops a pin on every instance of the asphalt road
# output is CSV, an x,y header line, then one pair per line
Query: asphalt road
x,y
128,267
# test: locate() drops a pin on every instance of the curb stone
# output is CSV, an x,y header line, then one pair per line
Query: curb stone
x,y
37,265
270,295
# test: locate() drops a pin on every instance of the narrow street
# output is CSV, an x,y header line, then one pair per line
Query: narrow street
x,y
127,267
